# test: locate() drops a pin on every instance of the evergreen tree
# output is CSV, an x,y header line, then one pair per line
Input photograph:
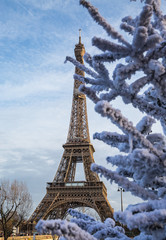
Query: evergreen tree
x,y
142,169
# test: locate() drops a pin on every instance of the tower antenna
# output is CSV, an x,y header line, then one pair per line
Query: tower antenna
x,y
79,35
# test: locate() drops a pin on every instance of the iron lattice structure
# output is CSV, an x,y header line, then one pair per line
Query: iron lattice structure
x,y
64,192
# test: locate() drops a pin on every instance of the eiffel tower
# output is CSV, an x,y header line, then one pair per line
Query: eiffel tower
x,y
64,192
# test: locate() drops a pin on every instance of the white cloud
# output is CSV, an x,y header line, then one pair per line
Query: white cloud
x,y
46,5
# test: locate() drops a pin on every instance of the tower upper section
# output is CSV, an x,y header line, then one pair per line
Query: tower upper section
x,y
78,129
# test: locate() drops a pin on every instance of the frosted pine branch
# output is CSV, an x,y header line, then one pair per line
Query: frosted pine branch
x,y
130,21
110,232
102,71
152,41
101,21
63,228
149,108
88,59
145,16
79,215
106,45
147,206
136,86
145,125
119,160
140,38
143,166
160,20
96,228
90,93
109,56
157,52
109,96
114,139
127,28
106,110
149,221
111,137
81,66
145,152
123,182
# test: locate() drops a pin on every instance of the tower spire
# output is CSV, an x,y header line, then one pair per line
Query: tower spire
x,y
79,35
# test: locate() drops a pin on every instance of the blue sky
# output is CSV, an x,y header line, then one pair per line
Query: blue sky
x,y
36,86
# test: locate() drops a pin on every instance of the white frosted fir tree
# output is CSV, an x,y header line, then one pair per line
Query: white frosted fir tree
x,y
142,169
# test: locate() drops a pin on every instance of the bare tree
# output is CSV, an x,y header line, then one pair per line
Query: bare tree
x,y
15,205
